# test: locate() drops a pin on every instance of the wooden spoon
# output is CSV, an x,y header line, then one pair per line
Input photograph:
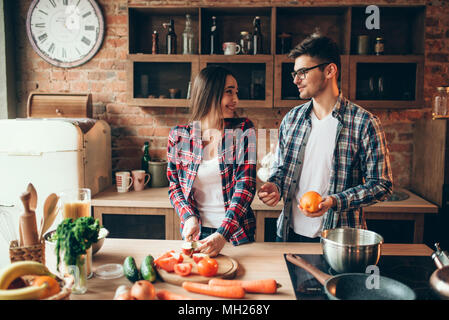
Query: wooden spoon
x,y
49,209
33,197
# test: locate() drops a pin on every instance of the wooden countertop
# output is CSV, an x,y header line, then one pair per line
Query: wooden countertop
x,y
158,198
257,260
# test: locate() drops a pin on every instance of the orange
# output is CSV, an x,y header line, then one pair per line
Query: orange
x,y
52,286
310,201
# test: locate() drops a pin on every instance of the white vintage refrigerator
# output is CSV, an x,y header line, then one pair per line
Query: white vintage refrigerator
x,y
54,155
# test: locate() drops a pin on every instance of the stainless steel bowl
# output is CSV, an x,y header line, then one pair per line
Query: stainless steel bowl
x,y
351,250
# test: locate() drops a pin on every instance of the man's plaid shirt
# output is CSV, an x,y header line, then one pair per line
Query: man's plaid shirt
x,y
237,162
360,174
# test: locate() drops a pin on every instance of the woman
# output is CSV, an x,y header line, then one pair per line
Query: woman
x,y
212,166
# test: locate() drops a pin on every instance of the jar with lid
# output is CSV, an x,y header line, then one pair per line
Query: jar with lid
x,y
440,102
245,42
379,46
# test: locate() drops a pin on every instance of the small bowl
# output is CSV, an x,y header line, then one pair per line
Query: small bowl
x,y
101,236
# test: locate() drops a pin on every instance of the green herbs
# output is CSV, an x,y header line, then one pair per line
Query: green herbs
x,y
73,238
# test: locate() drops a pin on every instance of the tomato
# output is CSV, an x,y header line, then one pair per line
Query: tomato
x,y
207,267
183,269
165,255
198,256
168,264
168,260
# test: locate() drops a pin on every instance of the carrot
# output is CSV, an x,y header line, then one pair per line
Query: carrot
x,y
255,286
167,295
230,292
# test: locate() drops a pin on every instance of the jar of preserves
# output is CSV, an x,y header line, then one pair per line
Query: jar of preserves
x,y
440,103
245,42
379,46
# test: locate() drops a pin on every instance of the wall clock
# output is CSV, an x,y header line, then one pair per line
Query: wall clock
x,y
65,33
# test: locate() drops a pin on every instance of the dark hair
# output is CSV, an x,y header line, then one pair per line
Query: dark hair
x,y
207,91
319,47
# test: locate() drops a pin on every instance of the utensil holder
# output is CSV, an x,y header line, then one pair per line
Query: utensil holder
x,y
32,253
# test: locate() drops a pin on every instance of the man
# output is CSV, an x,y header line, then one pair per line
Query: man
x,y
328,145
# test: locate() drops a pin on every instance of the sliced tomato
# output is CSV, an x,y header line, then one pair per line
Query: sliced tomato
x,y
164,255
198,256
168,264
208,267
178,257
183,269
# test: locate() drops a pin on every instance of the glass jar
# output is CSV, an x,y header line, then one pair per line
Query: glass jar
x,y
79,273
440,103
245,42
379,46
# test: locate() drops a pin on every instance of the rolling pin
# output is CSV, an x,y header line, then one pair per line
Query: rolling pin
x,y
27,222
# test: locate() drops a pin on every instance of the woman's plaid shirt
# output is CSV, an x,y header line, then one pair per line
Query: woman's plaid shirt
x,y
237,162
360,174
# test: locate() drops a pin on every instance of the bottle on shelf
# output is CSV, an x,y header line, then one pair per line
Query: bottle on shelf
x,y
213,37
257,37
245,42
171,37
146,156
379,46
155,43
188,37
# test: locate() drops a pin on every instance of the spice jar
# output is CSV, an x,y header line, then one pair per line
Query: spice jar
x,y
379,46
440,103
245,42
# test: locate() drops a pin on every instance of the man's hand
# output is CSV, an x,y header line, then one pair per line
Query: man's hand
x,y
327,203
212,245
269,194
191,230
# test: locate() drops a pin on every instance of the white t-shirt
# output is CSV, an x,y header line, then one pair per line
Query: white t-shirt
x,y
315,174
207,192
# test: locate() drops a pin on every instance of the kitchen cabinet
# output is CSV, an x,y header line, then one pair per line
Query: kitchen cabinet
x,y
155,201
392,80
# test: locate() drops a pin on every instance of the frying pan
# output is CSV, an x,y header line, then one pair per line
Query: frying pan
x,y
353,286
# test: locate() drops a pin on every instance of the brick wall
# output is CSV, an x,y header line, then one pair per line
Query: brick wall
x,y
105,77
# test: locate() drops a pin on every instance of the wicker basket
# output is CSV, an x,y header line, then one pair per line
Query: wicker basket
x,y
33,253
66,289
65,285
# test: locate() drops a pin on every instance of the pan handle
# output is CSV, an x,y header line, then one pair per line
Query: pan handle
x,y
300,262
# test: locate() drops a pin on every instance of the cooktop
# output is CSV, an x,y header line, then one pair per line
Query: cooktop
x,y
414,271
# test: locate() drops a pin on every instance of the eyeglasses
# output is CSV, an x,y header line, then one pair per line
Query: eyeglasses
x,y
302,73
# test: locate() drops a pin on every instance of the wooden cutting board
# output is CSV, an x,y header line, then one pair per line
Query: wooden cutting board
x,y
227,268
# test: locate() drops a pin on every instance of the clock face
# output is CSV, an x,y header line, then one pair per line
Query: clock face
x,y
65,33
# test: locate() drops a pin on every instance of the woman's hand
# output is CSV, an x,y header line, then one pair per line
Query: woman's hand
x,y
213,244
191,230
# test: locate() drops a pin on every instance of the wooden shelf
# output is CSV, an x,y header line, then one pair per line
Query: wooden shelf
x,y
402,29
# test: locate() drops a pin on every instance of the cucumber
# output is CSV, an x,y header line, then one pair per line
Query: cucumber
x,y
147,269
130,269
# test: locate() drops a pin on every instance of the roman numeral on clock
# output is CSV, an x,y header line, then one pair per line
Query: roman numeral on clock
x,y
43,37
87,14
65,2
89,28
86,41
40,25
64,53
53,3
51,49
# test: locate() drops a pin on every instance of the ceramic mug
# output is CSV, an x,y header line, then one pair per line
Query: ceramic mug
x,y
141,179
123,180
231,48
